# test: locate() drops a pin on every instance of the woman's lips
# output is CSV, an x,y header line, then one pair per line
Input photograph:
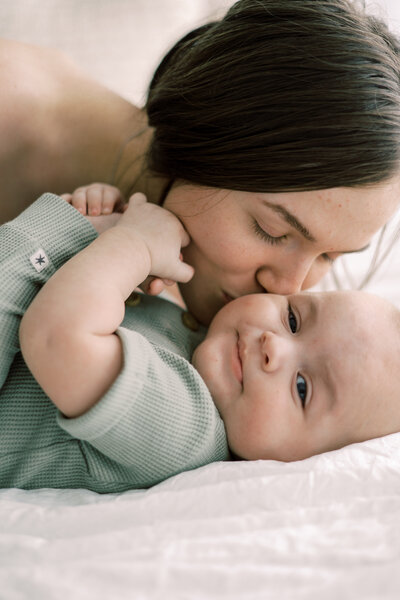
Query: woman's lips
x,y
227,297
237,362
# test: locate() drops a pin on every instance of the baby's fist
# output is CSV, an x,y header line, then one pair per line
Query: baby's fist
x,y
96,199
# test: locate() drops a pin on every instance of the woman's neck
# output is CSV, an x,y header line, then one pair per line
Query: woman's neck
x,y
131,172
95,136
66,131
113,145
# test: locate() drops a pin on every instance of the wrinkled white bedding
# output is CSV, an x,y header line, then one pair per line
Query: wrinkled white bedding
x,y
324,528
327,528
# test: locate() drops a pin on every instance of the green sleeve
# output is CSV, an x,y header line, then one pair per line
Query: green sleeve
x,y
157,419
32,247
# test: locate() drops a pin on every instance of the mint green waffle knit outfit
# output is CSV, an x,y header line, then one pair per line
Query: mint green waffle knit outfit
x,y
156,420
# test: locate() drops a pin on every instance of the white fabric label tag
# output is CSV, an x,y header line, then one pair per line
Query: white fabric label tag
x,y
39,260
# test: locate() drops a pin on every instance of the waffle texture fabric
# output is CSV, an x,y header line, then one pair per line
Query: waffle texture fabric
x,y
156,420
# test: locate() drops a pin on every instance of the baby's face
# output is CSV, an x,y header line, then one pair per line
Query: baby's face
x,y
294,376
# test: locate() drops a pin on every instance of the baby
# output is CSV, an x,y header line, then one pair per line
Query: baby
x,y
299,375
273,378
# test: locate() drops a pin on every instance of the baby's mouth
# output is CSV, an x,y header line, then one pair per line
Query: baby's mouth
x,y
237,362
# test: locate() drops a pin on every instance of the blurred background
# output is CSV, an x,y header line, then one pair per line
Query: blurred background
x,y
120,42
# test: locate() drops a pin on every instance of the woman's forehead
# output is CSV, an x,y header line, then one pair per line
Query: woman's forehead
x,y
381,198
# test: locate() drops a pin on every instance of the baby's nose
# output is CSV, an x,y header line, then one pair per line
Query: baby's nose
x,y
273,351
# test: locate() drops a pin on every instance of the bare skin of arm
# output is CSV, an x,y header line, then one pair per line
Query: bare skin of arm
x,y
60,129
67,335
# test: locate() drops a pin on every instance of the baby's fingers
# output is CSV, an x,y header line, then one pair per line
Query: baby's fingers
x,y
79,200
137,199
94,198
66,197
152,285
185,239
155,286
183,272
112,200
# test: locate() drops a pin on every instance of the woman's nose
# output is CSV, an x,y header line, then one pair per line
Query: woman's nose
x,y
282,285
290,276
274,351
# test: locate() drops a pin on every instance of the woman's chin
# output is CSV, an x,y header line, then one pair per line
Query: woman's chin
x,y
200,305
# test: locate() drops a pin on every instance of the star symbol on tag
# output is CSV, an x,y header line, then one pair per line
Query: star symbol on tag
x,y
39,260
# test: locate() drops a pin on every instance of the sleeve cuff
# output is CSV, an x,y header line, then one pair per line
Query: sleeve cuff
x,y
57,225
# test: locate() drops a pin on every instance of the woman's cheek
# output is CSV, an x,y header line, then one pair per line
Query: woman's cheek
x,y
235,250
227,252
316,273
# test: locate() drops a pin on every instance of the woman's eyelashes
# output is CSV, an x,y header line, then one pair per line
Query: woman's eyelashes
x,y
261,233
278,239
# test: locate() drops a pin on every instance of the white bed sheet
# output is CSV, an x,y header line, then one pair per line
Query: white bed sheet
x,y
324,528
327,528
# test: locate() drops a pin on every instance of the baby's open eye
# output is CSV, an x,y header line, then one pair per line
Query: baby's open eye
x,y
292,320
301,386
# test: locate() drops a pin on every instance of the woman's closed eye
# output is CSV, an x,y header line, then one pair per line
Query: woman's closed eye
x,y
267,237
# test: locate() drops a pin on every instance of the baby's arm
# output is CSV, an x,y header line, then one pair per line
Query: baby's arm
x,y
32,247
68,335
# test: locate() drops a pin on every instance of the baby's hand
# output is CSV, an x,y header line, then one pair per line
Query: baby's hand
x,y
163,236
96,199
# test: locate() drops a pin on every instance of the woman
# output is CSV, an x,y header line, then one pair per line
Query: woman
x,y
272,134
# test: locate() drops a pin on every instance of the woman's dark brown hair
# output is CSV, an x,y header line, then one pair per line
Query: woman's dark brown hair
x,y
280,95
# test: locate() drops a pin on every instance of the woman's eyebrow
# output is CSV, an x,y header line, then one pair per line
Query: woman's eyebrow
x,y
302,229
291,220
